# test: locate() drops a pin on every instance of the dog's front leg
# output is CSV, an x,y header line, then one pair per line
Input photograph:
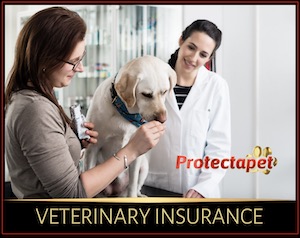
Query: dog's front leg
x,y
144,169
134,170
90,159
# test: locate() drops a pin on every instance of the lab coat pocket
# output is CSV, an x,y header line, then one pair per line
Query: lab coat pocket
x,y
199,124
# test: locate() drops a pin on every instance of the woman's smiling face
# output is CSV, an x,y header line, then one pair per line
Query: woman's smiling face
x,y
63,76
194,52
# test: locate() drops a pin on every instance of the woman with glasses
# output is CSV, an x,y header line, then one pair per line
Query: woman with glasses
x,y
42,151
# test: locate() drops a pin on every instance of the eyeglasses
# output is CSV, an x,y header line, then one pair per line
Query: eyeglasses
x,y
75,65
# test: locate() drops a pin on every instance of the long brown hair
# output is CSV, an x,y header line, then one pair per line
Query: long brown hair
x,y
49,35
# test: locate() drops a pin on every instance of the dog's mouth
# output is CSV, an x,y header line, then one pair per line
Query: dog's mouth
x,y
161,117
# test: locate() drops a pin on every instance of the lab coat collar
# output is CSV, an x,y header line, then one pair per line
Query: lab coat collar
x,y
201,80
171,100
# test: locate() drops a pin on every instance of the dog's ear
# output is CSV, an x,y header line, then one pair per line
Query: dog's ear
x,y
172,78
126,88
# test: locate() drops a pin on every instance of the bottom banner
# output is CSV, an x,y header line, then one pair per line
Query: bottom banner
x,y
149,215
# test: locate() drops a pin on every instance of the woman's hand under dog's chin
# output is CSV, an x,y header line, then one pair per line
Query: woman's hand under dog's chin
x,y
93,135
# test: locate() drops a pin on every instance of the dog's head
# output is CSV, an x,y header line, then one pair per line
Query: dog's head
x,y
143,84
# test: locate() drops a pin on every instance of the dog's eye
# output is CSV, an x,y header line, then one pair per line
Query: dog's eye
x,y
164,92
147,95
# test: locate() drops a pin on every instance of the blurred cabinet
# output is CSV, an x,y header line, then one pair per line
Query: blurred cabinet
x,y
98,62
115,35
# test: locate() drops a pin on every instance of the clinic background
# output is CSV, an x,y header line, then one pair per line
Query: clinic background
x,y
257,58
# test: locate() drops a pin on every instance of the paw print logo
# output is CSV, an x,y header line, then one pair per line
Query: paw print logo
x,y
264,161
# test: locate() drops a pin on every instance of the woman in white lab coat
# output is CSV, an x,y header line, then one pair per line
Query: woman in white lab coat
x,y
198,123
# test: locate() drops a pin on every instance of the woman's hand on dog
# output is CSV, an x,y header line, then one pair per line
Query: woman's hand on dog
x,y
93,135
146,137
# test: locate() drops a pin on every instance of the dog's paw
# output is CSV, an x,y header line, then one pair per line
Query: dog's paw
x,y
140,195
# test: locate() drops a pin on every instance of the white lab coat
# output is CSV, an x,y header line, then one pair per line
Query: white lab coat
x,y
202,127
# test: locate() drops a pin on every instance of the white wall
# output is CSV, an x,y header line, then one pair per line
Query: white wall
x,y
10,38
277,77
257,58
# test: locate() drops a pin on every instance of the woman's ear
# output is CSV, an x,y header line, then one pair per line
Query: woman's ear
x,y
180,41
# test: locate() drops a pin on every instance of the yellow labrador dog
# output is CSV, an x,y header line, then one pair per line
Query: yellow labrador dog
x,y
139,89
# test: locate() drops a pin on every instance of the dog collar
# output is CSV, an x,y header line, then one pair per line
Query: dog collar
x,y
136,118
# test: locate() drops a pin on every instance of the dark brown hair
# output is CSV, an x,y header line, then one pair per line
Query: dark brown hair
x,y
49,35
